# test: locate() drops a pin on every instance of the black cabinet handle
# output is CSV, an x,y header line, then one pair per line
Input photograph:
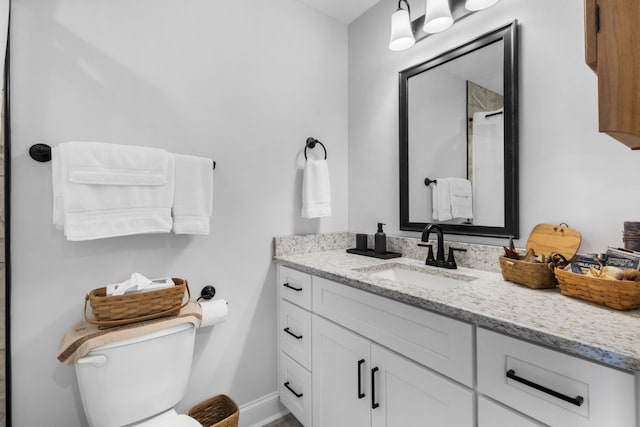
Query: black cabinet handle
x,y
578,400
298,395
287,285
360,393
298,337
374,404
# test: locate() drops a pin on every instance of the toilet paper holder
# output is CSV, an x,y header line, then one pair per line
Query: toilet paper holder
x,y
207,293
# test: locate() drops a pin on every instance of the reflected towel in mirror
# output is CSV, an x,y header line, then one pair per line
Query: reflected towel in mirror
x,y
488,167
452,198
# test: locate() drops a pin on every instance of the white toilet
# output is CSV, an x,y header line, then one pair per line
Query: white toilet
x,y
137,382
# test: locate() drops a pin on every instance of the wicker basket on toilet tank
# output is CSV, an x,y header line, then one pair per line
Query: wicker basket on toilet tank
x,y
116,310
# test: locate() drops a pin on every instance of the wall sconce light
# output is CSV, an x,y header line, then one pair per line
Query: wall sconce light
x,y
440,15
401,32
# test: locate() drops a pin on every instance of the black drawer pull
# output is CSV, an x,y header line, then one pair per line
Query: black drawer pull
x,y
374,404
287,285
360,393
298,337
298,395
578,401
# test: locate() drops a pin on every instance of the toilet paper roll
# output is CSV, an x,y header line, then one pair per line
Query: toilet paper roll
x,y
213,312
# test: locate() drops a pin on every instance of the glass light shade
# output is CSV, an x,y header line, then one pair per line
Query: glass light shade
x,y
474,5
401,33
438,17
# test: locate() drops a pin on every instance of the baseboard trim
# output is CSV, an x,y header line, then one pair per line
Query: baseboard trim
x,y
262,411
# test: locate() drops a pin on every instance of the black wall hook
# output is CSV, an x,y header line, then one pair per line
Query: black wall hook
x,y
311,143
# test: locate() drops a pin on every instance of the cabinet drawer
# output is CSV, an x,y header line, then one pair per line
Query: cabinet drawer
x,y
295,286
435,341
553,387
490,414
294,385
295,333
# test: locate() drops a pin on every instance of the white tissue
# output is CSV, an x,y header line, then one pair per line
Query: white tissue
x,y
138,283
213,312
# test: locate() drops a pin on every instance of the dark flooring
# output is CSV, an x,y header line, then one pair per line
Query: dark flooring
x,y
286,421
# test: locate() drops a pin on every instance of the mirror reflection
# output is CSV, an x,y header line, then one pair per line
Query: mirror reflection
x,y
458,136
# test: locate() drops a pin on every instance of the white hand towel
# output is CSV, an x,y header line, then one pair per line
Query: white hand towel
x,y
316,190
441,195
461,198
193,200
106,190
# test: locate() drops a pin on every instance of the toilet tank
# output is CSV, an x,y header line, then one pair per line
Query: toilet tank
x,y
134,379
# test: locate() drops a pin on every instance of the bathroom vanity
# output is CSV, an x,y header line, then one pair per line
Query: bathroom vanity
x,y
372,342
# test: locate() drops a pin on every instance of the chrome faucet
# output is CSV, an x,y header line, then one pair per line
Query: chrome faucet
x,y
439,260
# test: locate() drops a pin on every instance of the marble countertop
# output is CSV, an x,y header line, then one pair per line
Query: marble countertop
x,y
544,317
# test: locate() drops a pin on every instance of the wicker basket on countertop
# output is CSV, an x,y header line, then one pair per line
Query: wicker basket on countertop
x,y
618,294
218,411
545,239
117,310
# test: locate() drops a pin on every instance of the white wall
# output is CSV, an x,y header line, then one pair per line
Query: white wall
x,y
242,82
568,171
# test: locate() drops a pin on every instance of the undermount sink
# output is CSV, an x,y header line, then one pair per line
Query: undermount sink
x,y
423,278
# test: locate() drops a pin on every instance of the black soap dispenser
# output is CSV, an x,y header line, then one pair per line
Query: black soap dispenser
x,y
380,240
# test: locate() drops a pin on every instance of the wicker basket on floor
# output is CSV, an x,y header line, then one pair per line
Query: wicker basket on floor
x,y
218,411
116,310
618,294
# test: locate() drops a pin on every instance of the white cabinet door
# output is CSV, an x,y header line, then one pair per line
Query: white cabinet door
x,y
408,395
339,376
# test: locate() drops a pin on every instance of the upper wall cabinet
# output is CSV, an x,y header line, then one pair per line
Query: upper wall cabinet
x,y
612,50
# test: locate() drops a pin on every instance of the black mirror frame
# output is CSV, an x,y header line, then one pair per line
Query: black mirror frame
x,y
511,192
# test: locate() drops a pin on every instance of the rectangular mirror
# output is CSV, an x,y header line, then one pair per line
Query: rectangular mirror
x,y
459,139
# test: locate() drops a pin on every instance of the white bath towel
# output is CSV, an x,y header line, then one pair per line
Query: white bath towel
x,y
106,190
441,196
461,198
316,190
488,168
193,199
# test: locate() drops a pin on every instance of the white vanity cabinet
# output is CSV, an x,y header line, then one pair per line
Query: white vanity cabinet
x,y
352,358
372,362
552,387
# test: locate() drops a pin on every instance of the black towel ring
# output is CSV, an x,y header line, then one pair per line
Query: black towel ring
x,y
311,143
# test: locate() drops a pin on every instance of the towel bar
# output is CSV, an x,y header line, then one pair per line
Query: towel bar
x,y
428,181
42,153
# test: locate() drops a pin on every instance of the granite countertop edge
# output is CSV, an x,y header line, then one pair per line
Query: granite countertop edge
x,y
605,354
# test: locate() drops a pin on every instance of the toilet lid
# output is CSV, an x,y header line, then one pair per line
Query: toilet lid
x,y
174,421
